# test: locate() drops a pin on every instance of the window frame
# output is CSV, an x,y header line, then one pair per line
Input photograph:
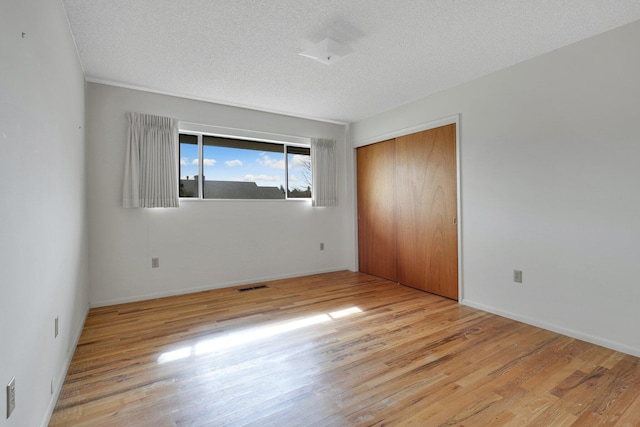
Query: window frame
x,y
200,131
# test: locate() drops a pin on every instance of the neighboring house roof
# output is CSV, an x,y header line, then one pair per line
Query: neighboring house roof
x,y
232,190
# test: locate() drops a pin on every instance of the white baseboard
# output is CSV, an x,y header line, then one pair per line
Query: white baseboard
x,y
210,287
555,328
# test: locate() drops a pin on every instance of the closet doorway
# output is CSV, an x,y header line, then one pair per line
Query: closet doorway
x,y
407,210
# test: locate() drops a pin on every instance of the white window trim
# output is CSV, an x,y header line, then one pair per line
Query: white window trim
x,y
244,134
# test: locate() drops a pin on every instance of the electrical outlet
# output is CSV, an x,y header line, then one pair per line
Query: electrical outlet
x,y
11,396
155,262
56,328
517,276
322,246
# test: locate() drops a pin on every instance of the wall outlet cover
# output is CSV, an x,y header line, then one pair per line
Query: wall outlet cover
x,y
517,276
11,396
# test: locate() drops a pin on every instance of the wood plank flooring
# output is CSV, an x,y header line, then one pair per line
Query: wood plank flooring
x,y
337,349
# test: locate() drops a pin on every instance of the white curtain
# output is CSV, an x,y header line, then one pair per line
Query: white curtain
x,y
150,174
324,170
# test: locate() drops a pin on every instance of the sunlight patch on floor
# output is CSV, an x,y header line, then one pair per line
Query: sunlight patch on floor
x,y
252,334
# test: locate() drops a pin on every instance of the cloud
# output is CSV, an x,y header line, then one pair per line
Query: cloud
x,y
272,163
232,163
184,161
206,162
300,160
293,178
263,177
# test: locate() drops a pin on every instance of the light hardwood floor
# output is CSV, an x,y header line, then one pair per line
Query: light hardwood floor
x,y
337,349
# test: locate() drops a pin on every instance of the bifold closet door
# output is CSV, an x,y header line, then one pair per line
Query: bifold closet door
x,y
376,205
426,209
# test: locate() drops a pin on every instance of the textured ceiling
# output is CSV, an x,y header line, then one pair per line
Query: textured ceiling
x,y
245,52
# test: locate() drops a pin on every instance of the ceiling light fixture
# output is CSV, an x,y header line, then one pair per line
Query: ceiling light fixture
x,y
327,51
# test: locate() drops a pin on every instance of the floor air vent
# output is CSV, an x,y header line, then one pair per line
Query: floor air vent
x,y
253,288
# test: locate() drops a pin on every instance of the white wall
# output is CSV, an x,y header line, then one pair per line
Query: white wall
x,y
202,244
550,152
43,243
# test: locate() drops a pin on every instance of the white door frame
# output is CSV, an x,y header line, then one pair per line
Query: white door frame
x,y
407,131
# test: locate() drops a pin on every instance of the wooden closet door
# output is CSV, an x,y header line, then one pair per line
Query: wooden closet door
x,y
376,223
426,195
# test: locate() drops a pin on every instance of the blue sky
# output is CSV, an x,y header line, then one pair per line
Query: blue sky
x,y
232,164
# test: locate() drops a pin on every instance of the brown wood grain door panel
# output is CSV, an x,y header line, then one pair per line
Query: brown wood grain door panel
x,y
426,197
376,210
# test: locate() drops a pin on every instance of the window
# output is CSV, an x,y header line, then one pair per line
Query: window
x,y
217,167
299,172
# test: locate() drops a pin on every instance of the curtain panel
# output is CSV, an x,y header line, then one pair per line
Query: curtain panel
x,y
151,164
325,178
